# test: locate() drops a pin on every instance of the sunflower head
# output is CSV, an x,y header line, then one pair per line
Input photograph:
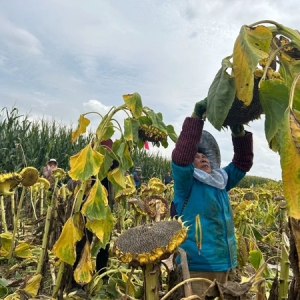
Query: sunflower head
x,y
151,133
8,183
149,243
44,183
58,173
30,176
151,203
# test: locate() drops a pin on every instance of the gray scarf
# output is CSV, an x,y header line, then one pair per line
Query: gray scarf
x,y
218,177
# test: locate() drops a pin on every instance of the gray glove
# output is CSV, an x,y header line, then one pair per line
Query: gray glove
x,y
200,109
237,130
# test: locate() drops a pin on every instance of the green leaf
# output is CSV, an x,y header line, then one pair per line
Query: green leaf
x,y
106,164
85,163
258,236
131,127
252,45
134,103
255,258
156,121
274,97
121,149
108,132
171,133
220,96
94,207
102,229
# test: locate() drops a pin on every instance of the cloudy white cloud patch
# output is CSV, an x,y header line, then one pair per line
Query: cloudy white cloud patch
x,y
57,55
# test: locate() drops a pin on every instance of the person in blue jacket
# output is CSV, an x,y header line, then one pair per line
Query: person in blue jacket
x,y
200,196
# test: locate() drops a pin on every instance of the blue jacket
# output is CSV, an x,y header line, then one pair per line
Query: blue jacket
x,y
210,206
218,247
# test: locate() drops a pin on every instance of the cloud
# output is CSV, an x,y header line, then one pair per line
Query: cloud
x,y
58,57
18,38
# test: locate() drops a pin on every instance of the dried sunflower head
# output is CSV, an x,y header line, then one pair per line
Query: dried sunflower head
x,y
151,133
30,176
44,183
149,243
58,173
8,183
138,205
128,191
150,206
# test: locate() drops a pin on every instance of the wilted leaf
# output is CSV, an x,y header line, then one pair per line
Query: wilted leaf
x,y
65,246
102,228
121,150
83,122
23,251
289,68
220,96
274,97
290,161
84,269
6,241
134,103
116,176
131,127
33,285
252,45
131,288
106,164
85,163
94,207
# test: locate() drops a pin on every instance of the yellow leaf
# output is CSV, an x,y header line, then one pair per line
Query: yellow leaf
x,y
131,289
33,285
85,163
94,207
250,47
6,240
102,228
72,232
290,161
23,251
81,128
117,177
83,271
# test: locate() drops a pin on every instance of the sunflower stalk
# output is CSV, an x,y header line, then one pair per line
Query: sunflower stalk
x,y
12,201
284,270
46,230
41,201
58,280
32,203
10,255
3,214
151,281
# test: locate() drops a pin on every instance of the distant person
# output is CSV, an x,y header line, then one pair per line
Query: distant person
x,y
47,170
168,178
137,177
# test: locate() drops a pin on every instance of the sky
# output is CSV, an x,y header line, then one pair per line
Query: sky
x,y
60,59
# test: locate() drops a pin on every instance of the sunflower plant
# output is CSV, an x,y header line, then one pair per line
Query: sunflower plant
x,y
91,210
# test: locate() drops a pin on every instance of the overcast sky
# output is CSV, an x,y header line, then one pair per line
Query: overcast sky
x,y
59,59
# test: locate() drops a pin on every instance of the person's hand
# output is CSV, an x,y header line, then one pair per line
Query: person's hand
x,y
200,109
237,130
